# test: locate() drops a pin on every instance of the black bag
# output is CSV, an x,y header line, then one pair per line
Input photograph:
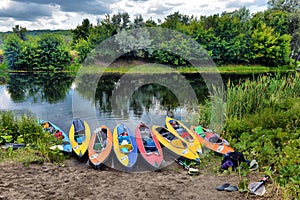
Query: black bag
x,y
232,159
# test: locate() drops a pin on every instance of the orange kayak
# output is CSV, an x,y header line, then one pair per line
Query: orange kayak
x,y
100,146
211,140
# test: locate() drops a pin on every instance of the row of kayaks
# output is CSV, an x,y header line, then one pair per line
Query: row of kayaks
x,y
175,137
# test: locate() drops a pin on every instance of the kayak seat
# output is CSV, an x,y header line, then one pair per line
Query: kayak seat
x,y
215,139
80,139
124,139
149,145
125,148
97,146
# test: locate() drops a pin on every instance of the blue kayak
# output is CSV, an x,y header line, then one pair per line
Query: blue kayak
x,y
125,146
58,133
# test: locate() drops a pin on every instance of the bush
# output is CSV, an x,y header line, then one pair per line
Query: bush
x,y
26,129
263,122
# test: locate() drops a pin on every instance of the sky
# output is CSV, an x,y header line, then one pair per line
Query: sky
x,y
67,14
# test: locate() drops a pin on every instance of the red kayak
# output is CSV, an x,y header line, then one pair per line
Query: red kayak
x,y
148,145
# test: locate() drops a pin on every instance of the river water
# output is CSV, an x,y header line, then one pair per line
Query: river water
x,y
116,98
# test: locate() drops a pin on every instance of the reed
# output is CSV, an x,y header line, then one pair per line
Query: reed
x,y
254,96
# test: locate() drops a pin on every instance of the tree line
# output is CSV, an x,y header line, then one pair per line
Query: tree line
x,y
269,38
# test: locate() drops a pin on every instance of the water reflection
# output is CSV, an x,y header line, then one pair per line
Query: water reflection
x,y
132,97
40,87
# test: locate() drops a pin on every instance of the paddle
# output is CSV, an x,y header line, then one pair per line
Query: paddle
x,y
258,188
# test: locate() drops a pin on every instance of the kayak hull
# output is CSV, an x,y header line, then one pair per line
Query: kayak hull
x,y
185,133
148,145
67,147
125,150
175,144
100,146
219,147
80,136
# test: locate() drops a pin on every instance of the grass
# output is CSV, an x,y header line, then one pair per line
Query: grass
x,y
262,120
25,156
25,129
157,68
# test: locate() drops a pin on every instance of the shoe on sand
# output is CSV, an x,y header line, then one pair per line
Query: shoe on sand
x,y
231,188
223,186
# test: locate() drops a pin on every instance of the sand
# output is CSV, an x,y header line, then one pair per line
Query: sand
x,y
77,180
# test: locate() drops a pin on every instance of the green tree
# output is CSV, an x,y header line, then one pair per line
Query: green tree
x,y
20,31
174,20
138,22
82,31
269,48
12,50
53,53
292,10
120,21
29,57
150,23
83,48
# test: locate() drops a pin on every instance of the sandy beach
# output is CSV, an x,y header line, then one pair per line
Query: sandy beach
x,y
77,180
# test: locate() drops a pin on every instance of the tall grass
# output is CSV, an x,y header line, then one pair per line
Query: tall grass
x,y
262,120
254,96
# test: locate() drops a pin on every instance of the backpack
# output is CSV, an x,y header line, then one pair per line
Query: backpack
x,y
232,159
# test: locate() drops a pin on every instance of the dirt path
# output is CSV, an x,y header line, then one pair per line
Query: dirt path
x,y
78,181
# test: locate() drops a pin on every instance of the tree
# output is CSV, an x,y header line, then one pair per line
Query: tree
x,y
292,10
82,31
20,32
29,57
172,21
53,53
269,48
286,5
150,23
138,22
83,48
12,50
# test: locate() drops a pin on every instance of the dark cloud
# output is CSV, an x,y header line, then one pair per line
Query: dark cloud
x,y
238,4
93,7
25,12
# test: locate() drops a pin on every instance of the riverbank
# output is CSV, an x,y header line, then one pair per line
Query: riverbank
x,y
139,67
78,181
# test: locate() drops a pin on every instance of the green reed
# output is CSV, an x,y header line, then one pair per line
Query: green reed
x,y
254,96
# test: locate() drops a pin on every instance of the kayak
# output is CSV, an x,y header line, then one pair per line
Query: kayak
x,y
148,145
211,140
100,146
80,136
175,144
125,146
185,133
59,134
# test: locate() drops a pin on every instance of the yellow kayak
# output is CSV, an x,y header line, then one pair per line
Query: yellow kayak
x,y
80,136
124,145
184,132
175,143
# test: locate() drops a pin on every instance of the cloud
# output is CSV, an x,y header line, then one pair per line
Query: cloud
x,y
96,7
173,4
67,14
204,6
25,12
239,3
158,10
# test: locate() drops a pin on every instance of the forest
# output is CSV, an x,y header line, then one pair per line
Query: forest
x,y
270,38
